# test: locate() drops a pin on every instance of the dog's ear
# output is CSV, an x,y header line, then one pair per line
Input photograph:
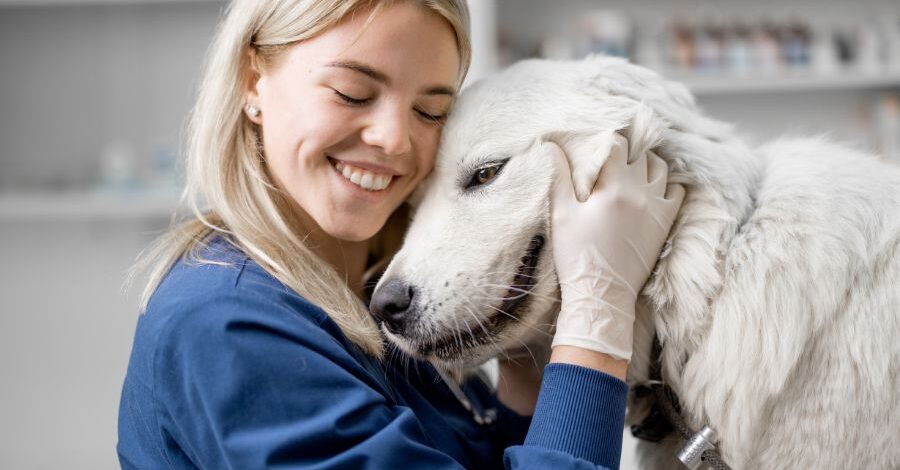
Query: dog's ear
x,y
586,153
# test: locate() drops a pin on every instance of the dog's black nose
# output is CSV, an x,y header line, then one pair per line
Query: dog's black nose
x,y
391,304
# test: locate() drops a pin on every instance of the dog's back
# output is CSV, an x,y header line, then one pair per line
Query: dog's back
x,y
838,402
800,367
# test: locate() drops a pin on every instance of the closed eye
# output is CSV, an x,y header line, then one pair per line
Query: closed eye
x,y
431,118
351,100
485,175
434,118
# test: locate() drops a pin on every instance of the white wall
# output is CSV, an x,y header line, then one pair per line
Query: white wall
x,y
65,334
72,79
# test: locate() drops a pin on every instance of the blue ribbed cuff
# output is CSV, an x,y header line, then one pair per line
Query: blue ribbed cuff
x,y
580,411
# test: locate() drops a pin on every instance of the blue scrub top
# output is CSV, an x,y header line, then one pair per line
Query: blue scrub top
x,y
232,369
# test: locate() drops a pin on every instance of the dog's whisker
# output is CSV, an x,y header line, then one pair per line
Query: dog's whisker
x,y
534,360
516,273
530,327
477,320
542,275
492,341
456,332
469,330
523,293
513,274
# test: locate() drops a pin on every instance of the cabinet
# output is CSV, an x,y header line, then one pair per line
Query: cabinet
x,y
848,88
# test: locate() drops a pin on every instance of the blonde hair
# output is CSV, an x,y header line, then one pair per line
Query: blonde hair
x,y
228,190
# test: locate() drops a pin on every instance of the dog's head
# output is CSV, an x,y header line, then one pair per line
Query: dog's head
x,y
475,276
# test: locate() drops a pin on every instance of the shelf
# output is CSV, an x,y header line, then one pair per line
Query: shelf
x,y
78,206
736,85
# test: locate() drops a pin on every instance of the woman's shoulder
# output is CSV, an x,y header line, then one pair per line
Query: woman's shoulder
x,y
221,334
221,273
227,306
207,298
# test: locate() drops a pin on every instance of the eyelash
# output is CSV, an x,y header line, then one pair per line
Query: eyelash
x,y
436,119
350,99
432,118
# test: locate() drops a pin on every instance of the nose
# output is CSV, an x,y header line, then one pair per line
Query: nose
x,y
391,304
389,130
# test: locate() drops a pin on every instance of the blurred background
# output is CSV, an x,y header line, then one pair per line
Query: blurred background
x,y
94,96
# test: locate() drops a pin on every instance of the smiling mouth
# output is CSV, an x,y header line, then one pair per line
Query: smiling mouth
x,y
365,179
518,292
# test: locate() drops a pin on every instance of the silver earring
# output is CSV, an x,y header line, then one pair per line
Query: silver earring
x,y
253,111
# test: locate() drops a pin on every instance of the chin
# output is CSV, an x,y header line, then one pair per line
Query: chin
x,y
354,231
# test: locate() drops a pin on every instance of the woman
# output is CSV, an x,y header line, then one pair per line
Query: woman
x,y
314,122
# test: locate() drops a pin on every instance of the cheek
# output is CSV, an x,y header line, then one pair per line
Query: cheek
x,y
427,153
310,119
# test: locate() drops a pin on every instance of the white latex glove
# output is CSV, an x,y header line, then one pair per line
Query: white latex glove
x,y
605,247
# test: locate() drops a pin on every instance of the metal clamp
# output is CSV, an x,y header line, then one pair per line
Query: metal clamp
x,y
690,455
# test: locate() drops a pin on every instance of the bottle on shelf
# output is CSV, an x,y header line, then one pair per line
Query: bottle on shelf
x,y
729,46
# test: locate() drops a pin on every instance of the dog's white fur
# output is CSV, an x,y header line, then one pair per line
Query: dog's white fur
x,y
776,298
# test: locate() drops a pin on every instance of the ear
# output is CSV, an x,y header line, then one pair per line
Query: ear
x,y
586,153
644,134
251,91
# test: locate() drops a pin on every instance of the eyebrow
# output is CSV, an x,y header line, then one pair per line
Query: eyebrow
x,y
382,78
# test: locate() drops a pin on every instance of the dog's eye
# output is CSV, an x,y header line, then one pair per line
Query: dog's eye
x,y
484,175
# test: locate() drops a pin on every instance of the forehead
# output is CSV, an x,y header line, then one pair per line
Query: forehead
x,y
407,42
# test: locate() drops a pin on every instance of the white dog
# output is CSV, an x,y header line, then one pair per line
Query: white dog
x,y
776,298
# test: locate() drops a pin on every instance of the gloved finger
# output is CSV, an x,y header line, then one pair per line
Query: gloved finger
x,y
563,187
618,153
657,174
675,195
616,164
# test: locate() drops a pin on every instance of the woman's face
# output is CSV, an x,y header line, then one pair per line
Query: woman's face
x,y
351,123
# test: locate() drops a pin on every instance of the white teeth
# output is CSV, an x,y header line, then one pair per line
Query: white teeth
x,y
366,181
363,178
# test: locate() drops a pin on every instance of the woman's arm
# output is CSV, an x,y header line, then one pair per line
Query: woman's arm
x,y
594,360
577,423
242,381
518,384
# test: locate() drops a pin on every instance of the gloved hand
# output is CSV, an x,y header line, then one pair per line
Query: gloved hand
x,y
605,247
